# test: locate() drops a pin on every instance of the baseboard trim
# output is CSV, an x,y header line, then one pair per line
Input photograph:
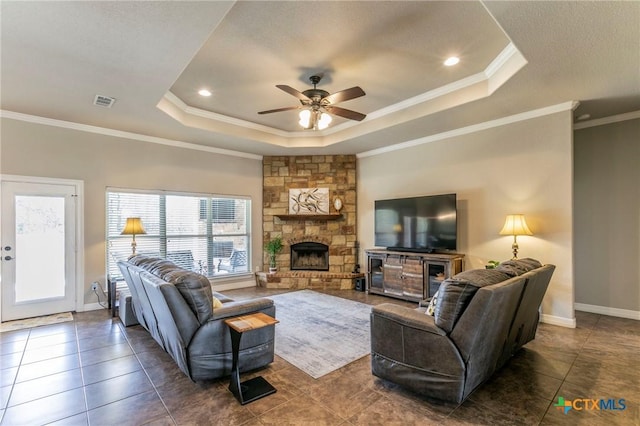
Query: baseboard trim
x,y
92,307
561,321
606,310
233,285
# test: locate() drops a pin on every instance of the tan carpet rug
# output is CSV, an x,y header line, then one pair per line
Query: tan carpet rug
x,y
35,322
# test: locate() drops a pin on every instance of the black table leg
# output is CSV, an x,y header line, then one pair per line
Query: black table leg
x,y
249,390
234,386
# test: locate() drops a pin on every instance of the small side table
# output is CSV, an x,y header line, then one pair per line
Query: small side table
x,y
258,387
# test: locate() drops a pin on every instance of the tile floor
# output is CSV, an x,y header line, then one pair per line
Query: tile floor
x,y
95,371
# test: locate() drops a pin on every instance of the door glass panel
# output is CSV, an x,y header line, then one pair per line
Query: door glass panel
x,y
40,248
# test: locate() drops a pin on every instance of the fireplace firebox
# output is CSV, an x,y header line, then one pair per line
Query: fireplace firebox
x,y
309,256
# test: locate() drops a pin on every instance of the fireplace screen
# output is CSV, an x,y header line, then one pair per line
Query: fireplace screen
x,y
309,256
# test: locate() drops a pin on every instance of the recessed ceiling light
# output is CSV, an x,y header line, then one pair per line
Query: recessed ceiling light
x,y
452,61
204,92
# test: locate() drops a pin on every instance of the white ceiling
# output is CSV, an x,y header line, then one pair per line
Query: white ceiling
x,y
153,57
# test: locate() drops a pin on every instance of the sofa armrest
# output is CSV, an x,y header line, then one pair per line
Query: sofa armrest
x,y
414,318
424,302
407,347
242,307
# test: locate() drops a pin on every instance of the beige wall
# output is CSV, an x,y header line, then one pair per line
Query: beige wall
x,y
607,216
524,167
105,161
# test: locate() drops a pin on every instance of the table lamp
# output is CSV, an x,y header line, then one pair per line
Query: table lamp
x,y
515,225
132,227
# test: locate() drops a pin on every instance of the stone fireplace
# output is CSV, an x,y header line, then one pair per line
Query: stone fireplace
x,y
303,266
309,256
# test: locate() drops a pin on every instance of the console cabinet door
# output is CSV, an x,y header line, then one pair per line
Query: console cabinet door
x,y
435,273
375,274
393,283
413,278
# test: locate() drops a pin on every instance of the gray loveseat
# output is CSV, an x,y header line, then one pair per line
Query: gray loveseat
x,y
176,307
481,318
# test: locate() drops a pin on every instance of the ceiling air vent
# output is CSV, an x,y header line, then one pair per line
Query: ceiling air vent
x,y
104,101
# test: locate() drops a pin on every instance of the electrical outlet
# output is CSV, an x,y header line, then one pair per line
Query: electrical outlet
x,y
94,286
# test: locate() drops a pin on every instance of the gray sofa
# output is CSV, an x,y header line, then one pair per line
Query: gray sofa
x,y
176,307
480,319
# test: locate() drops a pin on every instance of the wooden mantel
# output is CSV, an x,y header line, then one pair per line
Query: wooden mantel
x,y
331,216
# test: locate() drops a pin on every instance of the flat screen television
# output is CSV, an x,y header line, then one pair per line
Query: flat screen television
x,y
420,224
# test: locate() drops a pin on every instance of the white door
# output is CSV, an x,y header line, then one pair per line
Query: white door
x,y
38,249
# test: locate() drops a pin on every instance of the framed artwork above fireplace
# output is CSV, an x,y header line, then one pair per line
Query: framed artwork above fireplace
x,y
309,201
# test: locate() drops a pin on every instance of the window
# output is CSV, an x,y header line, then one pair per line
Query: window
x,y
223,210
206,234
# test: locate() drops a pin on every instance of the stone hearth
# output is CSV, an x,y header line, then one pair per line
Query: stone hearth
x,y
315,280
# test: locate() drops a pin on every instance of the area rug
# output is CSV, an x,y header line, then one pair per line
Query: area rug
x,y
319,333
35,322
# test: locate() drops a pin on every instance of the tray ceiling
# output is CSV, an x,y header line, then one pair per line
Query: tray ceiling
x,y
153,57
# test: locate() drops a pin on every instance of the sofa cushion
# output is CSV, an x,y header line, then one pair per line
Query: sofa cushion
x,y
196,290
160,267
517,267
455,294
222,298
482,277
141,259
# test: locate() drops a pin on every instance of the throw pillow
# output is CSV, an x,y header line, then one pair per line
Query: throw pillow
x,y
431,309
216,303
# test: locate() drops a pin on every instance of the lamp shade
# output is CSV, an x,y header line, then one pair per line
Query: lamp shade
x,y
515,225
133,227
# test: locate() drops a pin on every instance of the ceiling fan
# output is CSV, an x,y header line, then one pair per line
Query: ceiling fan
x,y
317,104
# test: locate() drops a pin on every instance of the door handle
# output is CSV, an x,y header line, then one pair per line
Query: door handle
x,y
8,258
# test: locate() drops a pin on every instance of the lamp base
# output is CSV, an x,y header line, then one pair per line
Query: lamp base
x,y
514,247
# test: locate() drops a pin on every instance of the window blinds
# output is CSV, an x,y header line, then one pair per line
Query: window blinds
x,y
206,234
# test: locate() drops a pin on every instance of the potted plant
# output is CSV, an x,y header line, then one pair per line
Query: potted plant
x,y
273,247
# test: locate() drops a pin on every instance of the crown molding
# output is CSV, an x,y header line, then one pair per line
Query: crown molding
x,y
480,85
501,60
607,120
121,134
182,106
430,95
566,106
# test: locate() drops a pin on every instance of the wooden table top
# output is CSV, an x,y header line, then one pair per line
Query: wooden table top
x,y
250,322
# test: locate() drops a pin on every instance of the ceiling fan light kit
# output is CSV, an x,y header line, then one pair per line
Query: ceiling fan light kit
x,y
317,105
311,119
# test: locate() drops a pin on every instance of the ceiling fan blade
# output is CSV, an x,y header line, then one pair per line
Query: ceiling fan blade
x,y
290,90
278,110
344,95
346,113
